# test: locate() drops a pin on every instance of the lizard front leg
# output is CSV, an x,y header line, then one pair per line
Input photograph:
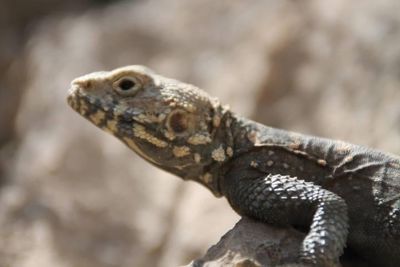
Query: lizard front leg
x,y
284,200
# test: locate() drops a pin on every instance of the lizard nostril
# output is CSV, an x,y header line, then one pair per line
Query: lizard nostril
x,y
82,84
87,81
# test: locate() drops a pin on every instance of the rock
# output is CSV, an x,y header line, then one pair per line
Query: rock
x,y
251,243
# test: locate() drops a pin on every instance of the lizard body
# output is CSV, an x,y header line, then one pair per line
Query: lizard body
x,y
344,193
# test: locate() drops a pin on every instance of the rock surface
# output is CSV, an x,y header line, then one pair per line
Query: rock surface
x,y
252,243
77,197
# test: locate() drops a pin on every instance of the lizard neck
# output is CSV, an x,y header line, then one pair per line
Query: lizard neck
x,y
221,150
244,134
237,136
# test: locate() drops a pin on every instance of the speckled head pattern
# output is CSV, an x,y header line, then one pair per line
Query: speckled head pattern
x,y
169,123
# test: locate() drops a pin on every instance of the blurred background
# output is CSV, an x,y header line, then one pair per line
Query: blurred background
x,y
71,195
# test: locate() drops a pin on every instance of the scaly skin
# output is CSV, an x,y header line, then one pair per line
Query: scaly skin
x,y
345,194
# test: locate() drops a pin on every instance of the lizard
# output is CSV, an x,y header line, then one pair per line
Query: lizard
x,y
342,194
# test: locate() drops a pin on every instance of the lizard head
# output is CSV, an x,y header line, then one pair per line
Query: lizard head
x,y
171,124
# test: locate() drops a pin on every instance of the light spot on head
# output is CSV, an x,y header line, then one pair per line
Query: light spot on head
x,y
229,151
199,139
106,108
216,121
270,163
188,107
120,109
161,117
228,123
97,117
218,154
270,153
181,151
111,126
321,162
170,135
146,118
140,132
206,178
203,126
197,157
83,107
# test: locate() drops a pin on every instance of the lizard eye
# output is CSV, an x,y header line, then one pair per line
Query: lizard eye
x,y
177,121
127,86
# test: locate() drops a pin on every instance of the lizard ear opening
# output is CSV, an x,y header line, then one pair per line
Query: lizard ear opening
x,y
178,122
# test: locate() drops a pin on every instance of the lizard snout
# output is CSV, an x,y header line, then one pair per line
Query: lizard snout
x,y
89,81
80,83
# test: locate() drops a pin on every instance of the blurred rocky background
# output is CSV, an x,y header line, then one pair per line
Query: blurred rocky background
x,y
71,195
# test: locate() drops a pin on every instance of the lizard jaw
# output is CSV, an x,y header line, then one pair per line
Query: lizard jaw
x,y
78,100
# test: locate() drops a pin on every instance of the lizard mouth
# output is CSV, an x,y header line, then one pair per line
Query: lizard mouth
x,y
79,101
99,110
91,108
102,115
